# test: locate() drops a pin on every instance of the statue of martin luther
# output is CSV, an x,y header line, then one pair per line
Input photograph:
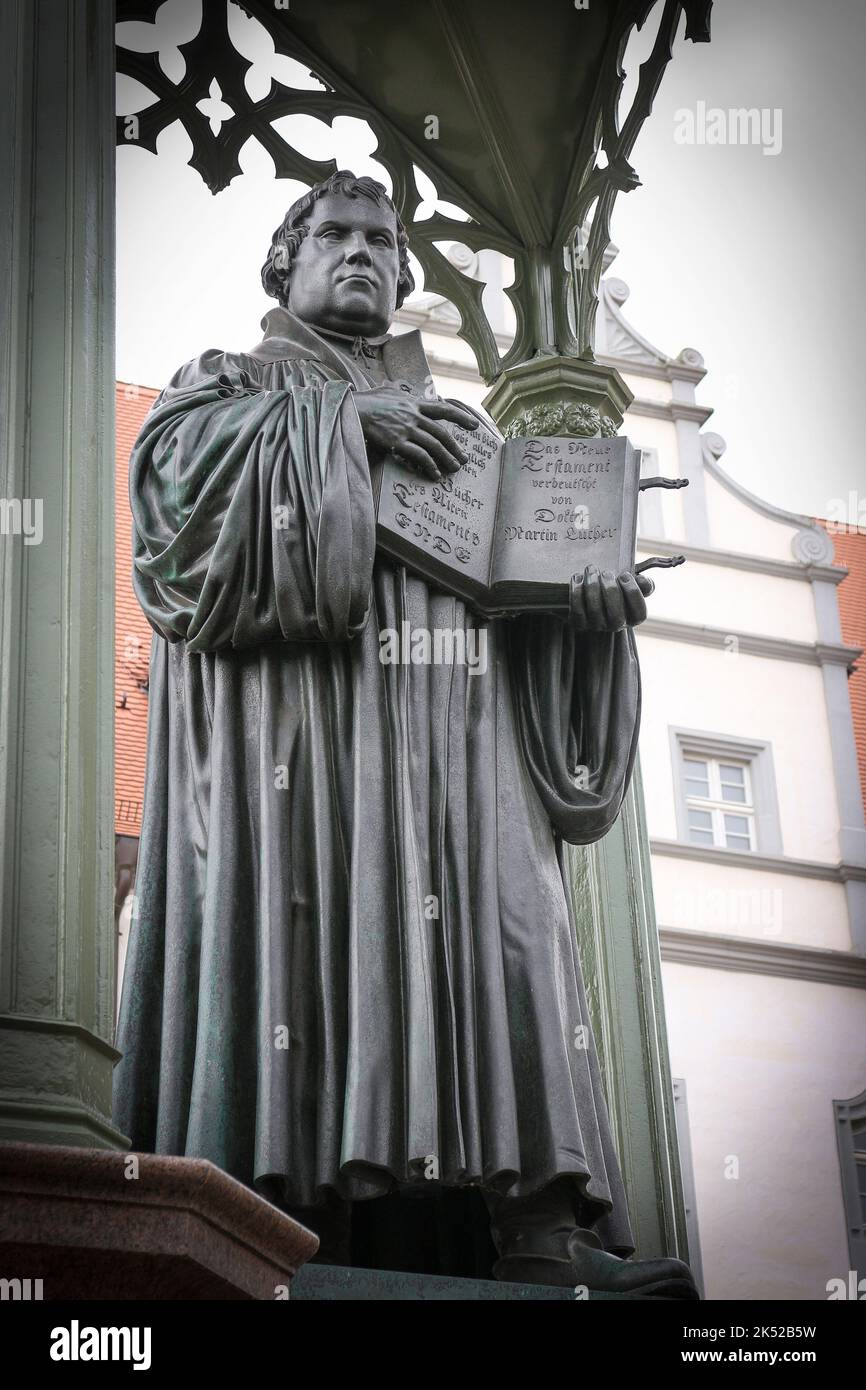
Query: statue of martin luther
x,y
293,1008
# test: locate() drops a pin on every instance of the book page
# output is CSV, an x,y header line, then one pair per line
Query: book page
x,y
450,521
565,504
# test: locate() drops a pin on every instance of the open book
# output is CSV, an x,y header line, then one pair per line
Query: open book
x,y
509,529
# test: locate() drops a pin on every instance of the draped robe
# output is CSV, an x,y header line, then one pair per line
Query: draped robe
x,y
352,964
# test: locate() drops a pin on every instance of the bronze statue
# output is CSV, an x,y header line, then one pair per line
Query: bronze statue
x,y
352,973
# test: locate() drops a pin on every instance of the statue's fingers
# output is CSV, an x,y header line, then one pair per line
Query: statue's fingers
x,y
595,618
419,458
445,437
447,410
445,461
645,584
613,600
465,411
577,606
635,604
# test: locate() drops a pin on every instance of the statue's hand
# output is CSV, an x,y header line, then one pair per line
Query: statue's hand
x,y
602,601
412,428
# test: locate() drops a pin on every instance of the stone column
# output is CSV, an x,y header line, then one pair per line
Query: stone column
x,y
619,948
56,583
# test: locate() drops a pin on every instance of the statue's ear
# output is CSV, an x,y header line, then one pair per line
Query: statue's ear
x,y
280,258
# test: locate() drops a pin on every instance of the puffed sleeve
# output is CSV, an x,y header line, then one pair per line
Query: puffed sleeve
x,y
253,517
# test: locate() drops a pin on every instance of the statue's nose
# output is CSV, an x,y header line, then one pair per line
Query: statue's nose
x,y
357,250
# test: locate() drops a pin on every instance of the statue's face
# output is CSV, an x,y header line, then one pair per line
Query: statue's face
x,y
344,276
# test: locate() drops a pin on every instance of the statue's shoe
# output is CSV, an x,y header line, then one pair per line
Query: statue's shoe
x,y
600,1272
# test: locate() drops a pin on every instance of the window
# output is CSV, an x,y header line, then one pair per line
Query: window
x,y
851,1134
650,521
719,803
725,793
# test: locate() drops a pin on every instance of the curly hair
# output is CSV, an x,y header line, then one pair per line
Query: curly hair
x,y
277,269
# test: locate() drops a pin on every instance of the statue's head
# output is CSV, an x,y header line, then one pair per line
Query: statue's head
x,y
340,258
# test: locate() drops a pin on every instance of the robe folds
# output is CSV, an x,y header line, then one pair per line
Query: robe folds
x,y
351,965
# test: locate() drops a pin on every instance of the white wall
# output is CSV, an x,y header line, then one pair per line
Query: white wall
x,y
736,526
646,388
735,600
763,1058
752,903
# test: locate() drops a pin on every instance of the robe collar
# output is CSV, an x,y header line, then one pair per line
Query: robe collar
x,y
287,337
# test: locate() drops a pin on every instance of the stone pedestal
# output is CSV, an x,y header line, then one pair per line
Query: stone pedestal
x,y
96,1224
336,1283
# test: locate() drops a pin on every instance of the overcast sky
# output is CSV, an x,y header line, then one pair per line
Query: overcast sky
x,y
755,259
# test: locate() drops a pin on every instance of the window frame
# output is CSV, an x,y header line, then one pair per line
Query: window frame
x,y
757,757
717,807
